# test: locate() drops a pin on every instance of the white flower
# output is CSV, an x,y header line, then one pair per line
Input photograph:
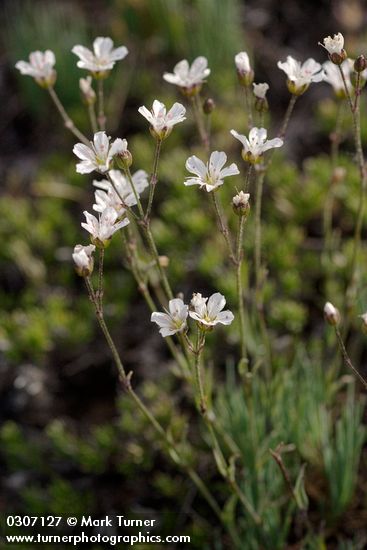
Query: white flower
x,y
256,144
334,45
100,153
102,228
209,312
211,174
83,259
108,195
300,75
260,90
40,67
174,320
242,62
333,77
331,314
102,58
190,79
162,122
85,85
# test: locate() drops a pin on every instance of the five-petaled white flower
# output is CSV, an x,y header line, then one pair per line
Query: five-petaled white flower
x,y
102,58
333,77
83,259
99,155
101,229
189,79
335,48
260,90
161,122
301,75
208,312
256,144
120,194
174,320
40,67
209,175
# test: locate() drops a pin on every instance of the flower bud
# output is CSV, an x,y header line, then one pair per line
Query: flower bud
x,y
360,64
208,106
244,71
83,259
331,314
241,204
123,159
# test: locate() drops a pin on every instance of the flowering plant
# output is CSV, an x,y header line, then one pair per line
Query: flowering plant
x,y
125,205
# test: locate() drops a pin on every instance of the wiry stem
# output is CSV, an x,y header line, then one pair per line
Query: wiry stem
x,y
200,343
222,224
239,256
133,261
92,118
356,114
154,178
346,358
287,116
220,460
136,194
198,113
335,138
101,113
167,440
248,97
257,258
69,124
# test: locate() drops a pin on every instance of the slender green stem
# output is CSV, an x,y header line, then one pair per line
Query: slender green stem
x,y
136,194
133,261
154,178
101,113
222,224
219,457
69,124
257,258
200,343
241,224
328,207
356,114
123,203
346,358
167,440
198,114
100,277
149,236
248,98
92,118
287,116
